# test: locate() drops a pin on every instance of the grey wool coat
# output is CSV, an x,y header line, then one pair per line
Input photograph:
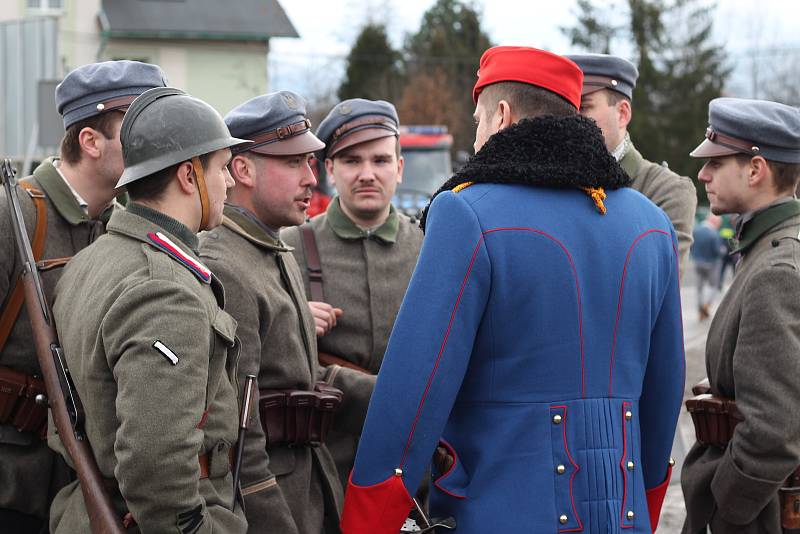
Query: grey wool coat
x,y
286,489
366,275
753,356
153,356
674,194
31,473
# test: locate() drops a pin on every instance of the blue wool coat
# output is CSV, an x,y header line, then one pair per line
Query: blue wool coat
x,y
542,342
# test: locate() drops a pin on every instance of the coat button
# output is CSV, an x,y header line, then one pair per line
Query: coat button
x,y
671,462
629,515
628,415
557,419
398,472
563,519
630,466
561,469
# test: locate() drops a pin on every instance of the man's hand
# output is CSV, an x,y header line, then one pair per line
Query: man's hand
x,y
325,316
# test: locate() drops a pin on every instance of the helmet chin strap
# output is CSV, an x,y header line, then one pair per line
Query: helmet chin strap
x,y
203,190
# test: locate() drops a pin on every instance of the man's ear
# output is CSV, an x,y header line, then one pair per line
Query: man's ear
x,y
624,112
758,172
89,140
187,180
243,170
504,115
329,171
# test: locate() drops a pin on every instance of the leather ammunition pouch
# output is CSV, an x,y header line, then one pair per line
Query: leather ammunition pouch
x,y
18,406
298,417
714,418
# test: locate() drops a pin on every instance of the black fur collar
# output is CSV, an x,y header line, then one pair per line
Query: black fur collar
x,y
543,151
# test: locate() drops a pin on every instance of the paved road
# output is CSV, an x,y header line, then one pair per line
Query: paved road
x,y
674,511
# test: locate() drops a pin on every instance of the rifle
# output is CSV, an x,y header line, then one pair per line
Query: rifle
x,y
65,406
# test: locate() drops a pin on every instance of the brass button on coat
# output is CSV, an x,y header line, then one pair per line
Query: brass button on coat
x,y
628,415
557,419
630,466
563,519
561,469
629,515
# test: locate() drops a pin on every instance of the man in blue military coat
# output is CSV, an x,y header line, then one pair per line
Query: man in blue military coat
x,y
540,341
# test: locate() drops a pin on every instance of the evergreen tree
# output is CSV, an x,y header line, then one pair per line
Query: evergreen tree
x,y
680,71
373,67
448,47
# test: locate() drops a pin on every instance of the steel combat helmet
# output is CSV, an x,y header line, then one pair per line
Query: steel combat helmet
x,y
165,126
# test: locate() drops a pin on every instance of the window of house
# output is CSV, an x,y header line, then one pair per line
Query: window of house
x,y
46,6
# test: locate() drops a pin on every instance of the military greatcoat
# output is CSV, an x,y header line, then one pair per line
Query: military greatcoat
x,y
540,340
365,274
153,356
753,356
286,489
674,194
31,473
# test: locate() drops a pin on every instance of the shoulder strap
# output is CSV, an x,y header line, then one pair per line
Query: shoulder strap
x,y
313,265
14,305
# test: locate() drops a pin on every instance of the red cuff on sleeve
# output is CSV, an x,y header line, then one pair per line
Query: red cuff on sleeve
x,y
378,509
655,498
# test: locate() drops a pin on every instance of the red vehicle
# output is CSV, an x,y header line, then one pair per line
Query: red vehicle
x,y
426,150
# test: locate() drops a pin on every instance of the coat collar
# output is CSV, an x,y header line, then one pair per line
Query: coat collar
x,y
544,151
59,193
238,221
343,227
763,222
632,161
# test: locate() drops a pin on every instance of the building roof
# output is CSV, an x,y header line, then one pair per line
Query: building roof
x,y
236,20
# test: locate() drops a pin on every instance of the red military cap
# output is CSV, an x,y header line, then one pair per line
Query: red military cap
x,y
532,66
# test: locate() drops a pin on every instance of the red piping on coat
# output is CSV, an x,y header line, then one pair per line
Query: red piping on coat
x,y
572,478
619,303
453,315
446,474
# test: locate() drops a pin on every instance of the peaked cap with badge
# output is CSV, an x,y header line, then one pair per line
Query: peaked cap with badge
x,y
275,123
603,71
355,121
98,88
751,127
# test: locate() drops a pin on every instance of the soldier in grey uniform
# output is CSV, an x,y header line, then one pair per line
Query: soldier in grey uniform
x,y
366,250
67,206
731,479
289,480
152,353
606,97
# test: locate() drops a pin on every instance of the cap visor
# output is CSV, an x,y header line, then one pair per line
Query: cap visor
x,y
709,149
589,89
358,137
299,144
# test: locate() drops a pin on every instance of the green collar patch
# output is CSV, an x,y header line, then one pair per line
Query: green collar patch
x,y
765,221
250,229
343,227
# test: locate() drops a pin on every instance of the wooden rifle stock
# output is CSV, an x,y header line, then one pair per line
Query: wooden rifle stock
x,y
63,401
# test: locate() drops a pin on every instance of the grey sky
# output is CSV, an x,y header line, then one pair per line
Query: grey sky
x,y
760,37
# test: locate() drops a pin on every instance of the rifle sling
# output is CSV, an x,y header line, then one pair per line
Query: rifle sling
x,y
14,305
313,264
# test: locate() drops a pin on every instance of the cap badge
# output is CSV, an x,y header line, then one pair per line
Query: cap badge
x,y
614,82
289,100
345,109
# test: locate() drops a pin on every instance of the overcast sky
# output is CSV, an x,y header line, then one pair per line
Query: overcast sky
x,y
753,33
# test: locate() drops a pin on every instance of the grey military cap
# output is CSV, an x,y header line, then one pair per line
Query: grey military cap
x,y
753,127
98,88
276,123
602,71
356,121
